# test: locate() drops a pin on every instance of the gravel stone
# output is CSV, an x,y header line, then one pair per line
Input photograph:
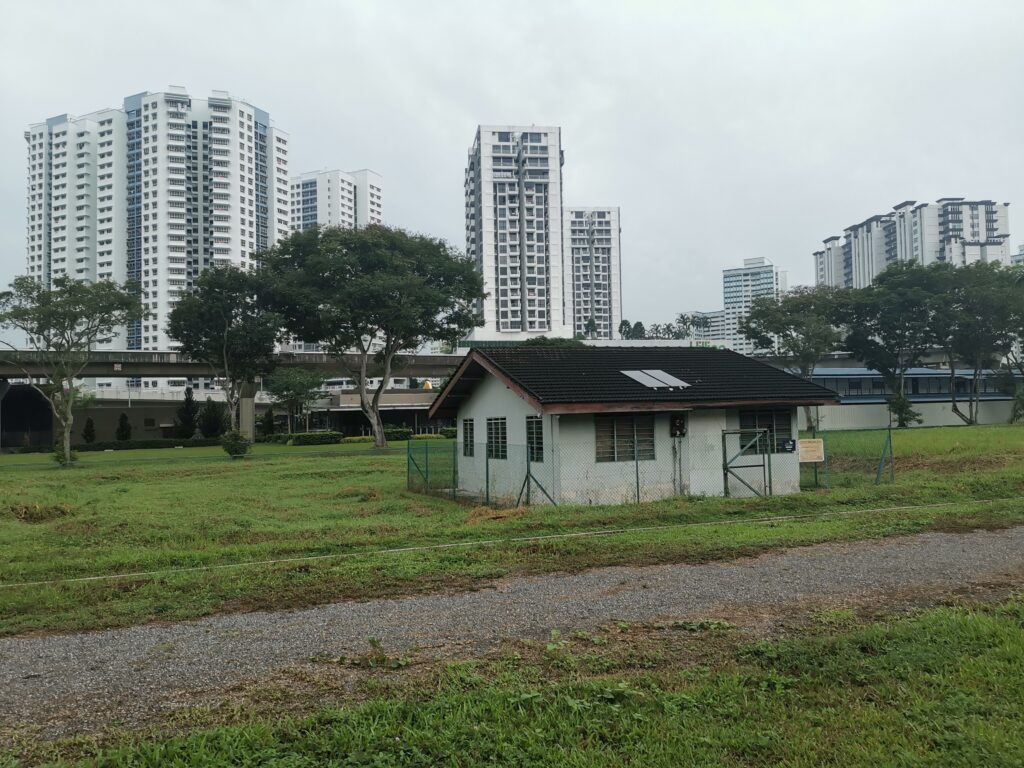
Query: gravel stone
x,y
65,683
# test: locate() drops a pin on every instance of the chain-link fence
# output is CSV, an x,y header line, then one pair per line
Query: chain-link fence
x,y
631,467
850,458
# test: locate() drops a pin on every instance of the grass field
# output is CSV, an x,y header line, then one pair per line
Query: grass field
x,y
944,687
161,510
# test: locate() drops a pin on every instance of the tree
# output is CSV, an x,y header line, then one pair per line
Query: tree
x,y
124,428
295,389
371,292
984,302
222,324
638,331
266,422
186,416
212,419
625,329
62,324
797,326
551,343
89,430
889,329
590,329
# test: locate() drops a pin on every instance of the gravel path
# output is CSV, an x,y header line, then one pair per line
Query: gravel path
x,y
85,679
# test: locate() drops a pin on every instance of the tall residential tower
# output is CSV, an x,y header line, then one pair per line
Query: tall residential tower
x,y
592,263
336,199
951,230
155,192
513,189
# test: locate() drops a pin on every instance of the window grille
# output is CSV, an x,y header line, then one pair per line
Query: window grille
x,y
497,438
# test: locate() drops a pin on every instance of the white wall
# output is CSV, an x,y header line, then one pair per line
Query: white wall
x,y
876,415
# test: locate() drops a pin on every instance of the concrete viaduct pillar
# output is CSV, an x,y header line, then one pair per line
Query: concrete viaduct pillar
x,y
247,410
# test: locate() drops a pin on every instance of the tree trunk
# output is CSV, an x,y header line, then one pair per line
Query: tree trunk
x,y
290,421
67,444
952,389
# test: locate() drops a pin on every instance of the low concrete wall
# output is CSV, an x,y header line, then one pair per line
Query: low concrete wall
x,y
876,415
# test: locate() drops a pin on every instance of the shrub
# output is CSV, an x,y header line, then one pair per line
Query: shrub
x,y
58,455
186,416
89,431
124,428
428,436
358,439
213,418
449,432
315,438
397,433
235,444
266,422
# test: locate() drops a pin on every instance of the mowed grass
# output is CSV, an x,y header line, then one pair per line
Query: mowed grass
x,y
941,688
124,513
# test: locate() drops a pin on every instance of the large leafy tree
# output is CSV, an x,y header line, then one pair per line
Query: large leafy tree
x,y
62,324
987,302
222,324
296,389
798,326
889,328
371,292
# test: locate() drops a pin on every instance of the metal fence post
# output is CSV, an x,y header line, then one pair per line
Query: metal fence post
x,y
408,465
771,447
487,476
455,466
528,475
636,462
426,464
725,466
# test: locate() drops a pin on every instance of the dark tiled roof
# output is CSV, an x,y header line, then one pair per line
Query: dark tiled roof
x,y
593,375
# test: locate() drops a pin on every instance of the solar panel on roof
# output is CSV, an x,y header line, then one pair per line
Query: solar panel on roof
x,y
647,380
668,378
654,379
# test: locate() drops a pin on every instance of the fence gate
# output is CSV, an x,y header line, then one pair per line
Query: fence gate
x,y
750,450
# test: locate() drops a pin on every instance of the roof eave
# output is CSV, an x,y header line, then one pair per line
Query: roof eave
x,y
650,406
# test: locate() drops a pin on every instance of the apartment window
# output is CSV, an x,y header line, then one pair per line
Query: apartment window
x,y
535,438
497,438
624,438
778,422
468,437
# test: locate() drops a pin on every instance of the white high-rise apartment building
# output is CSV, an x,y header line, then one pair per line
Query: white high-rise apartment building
x,y
155,192
513,187
1017,259
336,199
951,230
592,263
757,278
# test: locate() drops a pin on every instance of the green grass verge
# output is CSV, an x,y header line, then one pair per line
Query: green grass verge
x,y
114,516
942,688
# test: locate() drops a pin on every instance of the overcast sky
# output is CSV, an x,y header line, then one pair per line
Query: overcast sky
x,y
722,130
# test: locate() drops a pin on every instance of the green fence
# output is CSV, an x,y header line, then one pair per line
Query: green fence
x,y
851,458
432,467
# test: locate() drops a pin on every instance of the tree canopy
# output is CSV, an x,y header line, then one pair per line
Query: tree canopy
x,y
62,324
373,291
222,323
295,389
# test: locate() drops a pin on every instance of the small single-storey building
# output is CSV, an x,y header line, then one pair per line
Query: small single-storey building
x,y
596,425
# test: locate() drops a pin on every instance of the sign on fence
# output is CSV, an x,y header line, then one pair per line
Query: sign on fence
x,y
812,451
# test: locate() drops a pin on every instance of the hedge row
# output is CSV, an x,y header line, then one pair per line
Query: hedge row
x,y
396,434
129,445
